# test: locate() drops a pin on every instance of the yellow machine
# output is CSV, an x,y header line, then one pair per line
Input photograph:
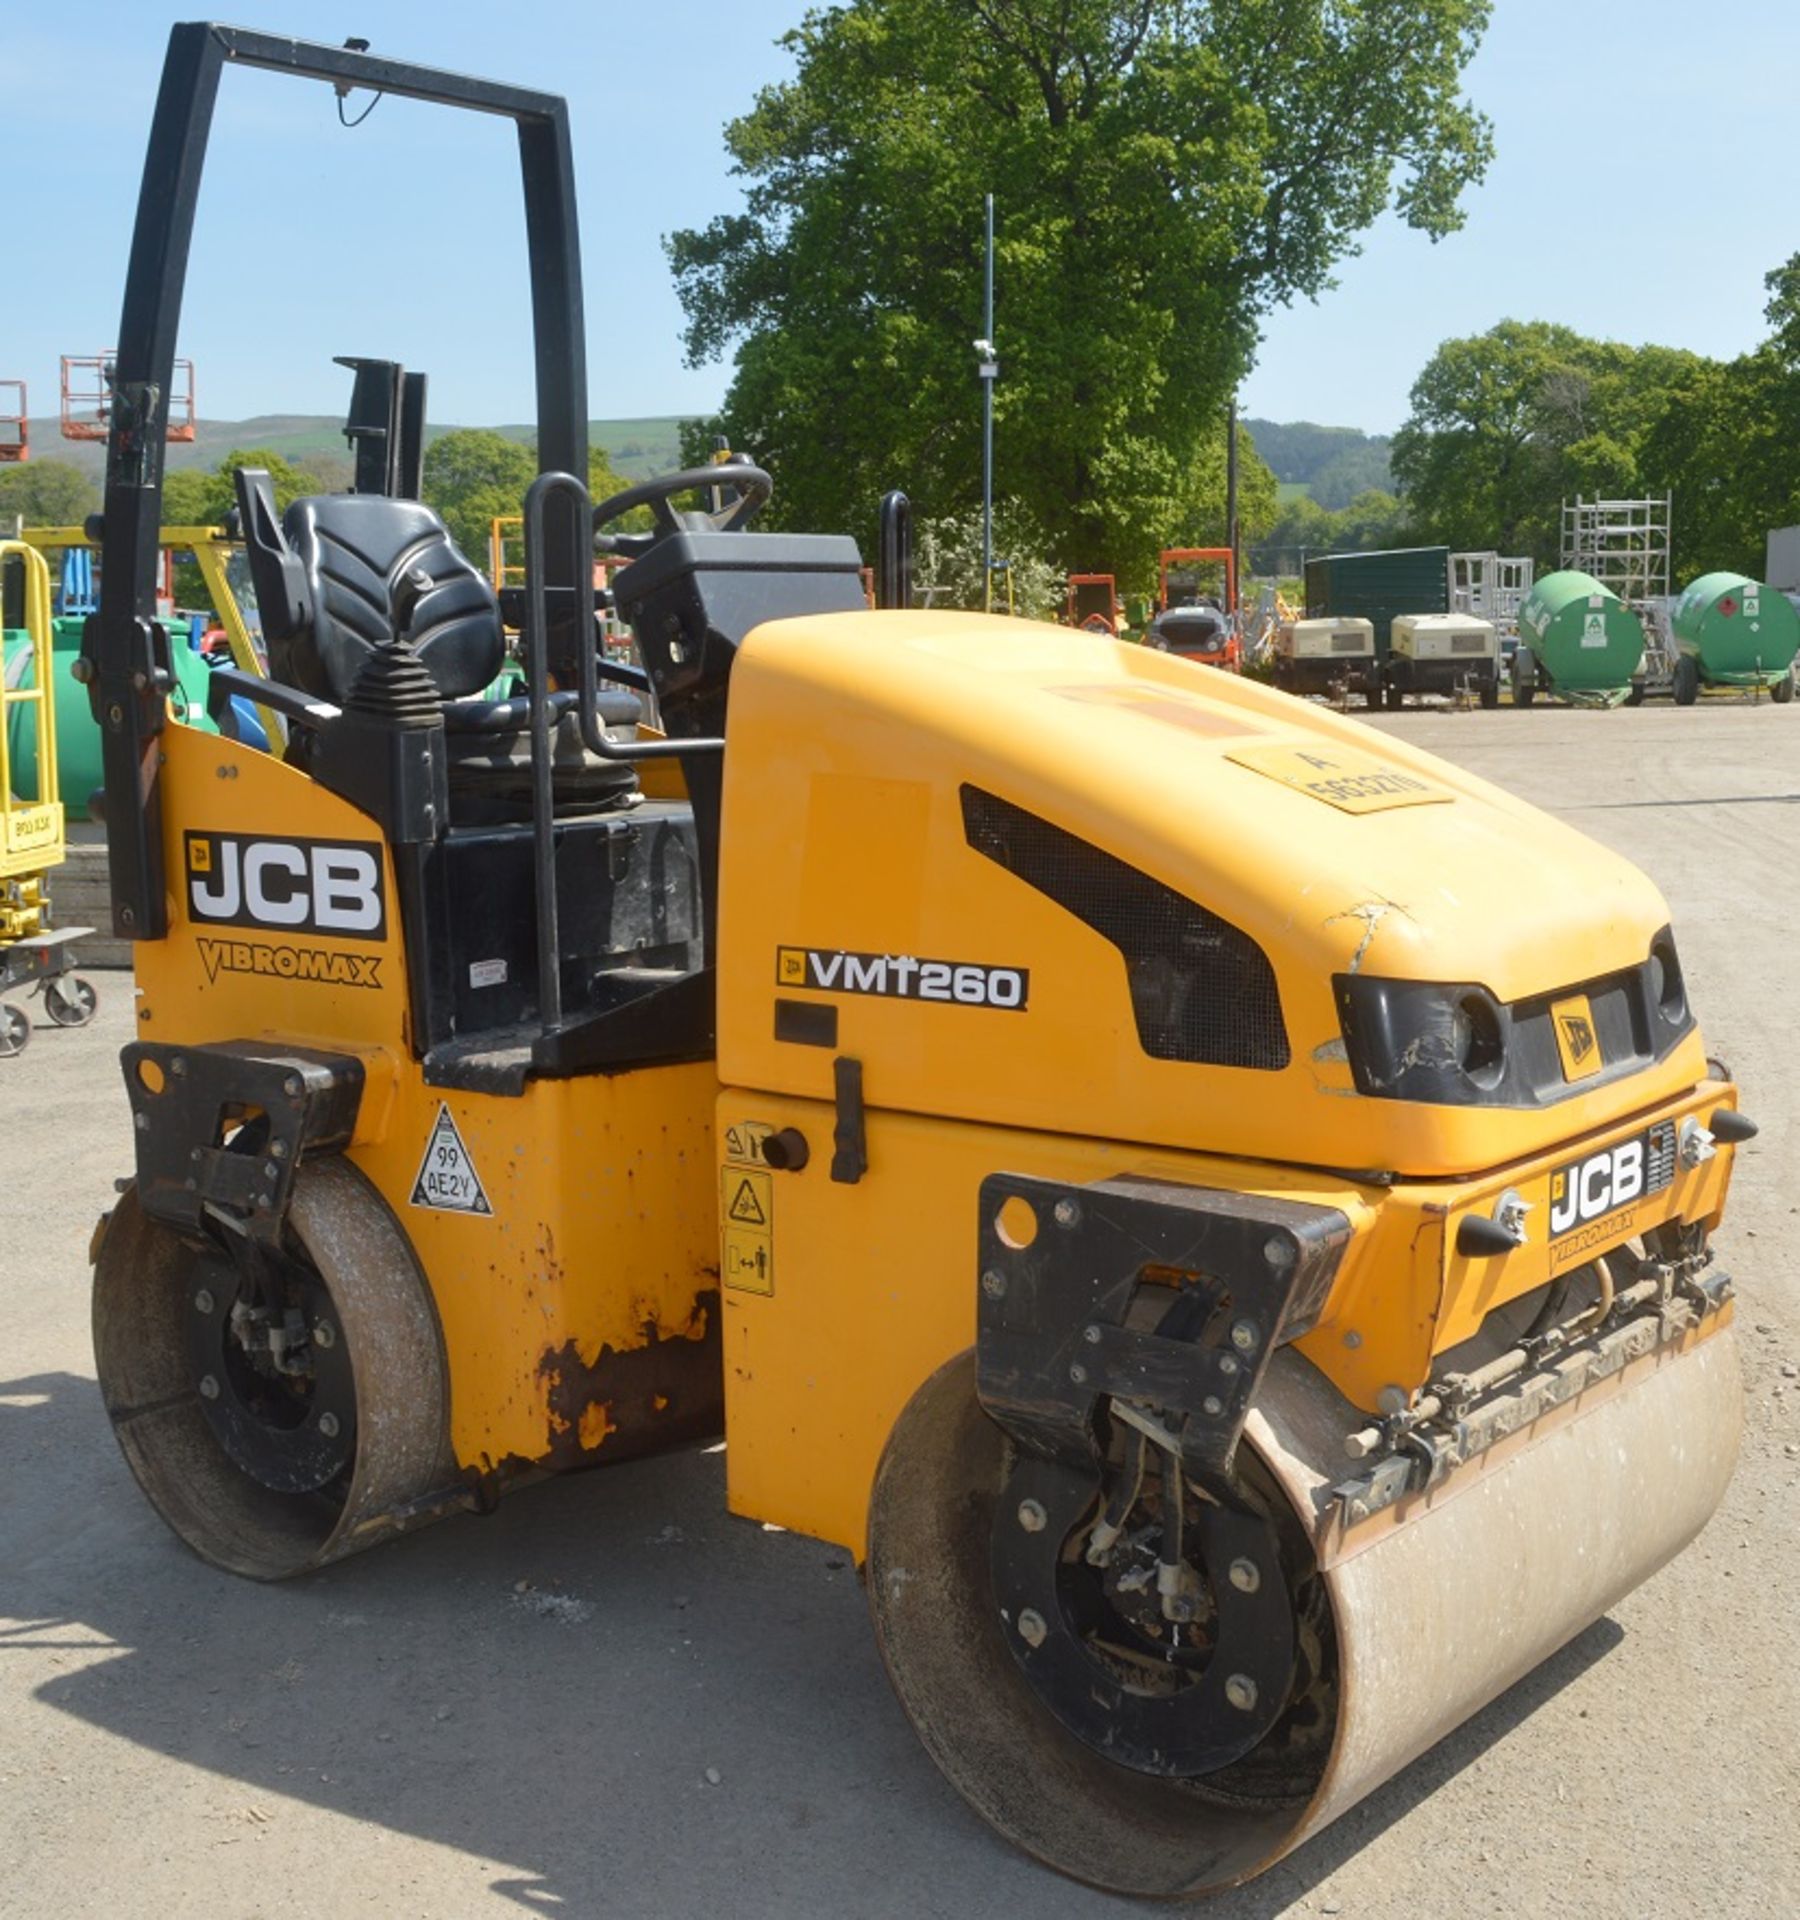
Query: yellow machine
x,y
31,826
1245,1296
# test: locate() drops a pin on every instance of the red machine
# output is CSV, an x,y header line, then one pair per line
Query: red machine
x,y
15,426
1194,624
1094,603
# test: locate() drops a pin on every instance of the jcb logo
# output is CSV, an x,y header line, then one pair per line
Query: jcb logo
x,y
1578,1037
1596,1186
1577,1044
295,886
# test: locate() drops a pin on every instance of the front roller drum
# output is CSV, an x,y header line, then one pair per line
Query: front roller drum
x,y
1427,1622
272,1458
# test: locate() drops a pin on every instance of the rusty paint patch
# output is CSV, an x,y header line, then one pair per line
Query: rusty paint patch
x,y
666,1393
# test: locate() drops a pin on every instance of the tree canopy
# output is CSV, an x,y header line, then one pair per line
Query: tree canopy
x,y
47,493
474,476
1164,172
1507,425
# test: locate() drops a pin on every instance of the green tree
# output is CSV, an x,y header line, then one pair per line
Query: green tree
x,y
1164,171
474,476
1509,424
947,564
47,493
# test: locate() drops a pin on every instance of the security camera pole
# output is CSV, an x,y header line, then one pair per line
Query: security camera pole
x,y
989,369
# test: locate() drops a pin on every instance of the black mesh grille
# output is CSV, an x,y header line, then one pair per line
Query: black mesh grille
x,y
1201,990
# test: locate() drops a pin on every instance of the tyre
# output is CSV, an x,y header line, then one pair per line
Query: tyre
x,y
1524,682
1687,680
1490,694
1783,690
69,1000
15,1030
1394,698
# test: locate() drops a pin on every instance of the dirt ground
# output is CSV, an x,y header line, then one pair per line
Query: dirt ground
x,y
612,1699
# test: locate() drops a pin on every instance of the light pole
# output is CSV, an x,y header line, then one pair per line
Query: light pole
x,y
988,368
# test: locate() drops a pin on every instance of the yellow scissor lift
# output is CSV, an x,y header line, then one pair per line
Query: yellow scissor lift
x,y
31,837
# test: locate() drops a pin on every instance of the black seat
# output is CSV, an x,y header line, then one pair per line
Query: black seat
x,y
375,570
345,574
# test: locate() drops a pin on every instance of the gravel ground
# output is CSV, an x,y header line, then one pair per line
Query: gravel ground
x,y
613,1699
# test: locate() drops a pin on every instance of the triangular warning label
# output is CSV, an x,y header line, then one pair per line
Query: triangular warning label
x,y
447,1178
745,1207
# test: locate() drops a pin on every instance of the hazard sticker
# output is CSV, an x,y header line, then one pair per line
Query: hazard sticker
x,y
747,1201
448,1182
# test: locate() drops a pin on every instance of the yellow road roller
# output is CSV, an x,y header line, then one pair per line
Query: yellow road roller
x,y
1244,1296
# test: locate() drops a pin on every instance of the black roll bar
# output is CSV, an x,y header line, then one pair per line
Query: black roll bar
x,y
127,676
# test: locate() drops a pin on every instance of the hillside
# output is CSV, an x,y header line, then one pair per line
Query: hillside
x,y
1330,465
638,448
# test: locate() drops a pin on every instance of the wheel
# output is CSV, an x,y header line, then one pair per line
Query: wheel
x,y
1782,691
1635,698
283,1408
1687,680
1395,699
69,1000
1490,694
15,1030
944,1514
1373,696
1524,683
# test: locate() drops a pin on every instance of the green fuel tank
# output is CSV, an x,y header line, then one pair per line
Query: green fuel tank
x,y
78,753
1738,632
1582,637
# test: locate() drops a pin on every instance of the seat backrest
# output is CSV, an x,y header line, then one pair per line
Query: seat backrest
x,y
377,570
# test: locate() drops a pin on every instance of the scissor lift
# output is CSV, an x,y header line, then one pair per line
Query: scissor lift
x,y
15,423
87,383
31,829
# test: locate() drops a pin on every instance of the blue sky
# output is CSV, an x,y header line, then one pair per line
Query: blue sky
x,y
1644,183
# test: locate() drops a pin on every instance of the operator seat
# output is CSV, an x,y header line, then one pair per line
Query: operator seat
x,y
344,574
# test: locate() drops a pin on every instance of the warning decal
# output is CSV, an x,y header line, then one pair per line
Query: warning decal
x,y
746,1209
447,1178
748,1197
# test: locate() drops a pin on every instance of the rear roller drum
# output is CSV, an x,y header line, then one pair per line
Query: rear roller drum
x,y
280,1406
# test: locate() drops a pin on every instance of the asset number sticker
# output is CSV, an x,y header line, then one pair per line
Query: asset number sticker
x,y
447,1180
1343,777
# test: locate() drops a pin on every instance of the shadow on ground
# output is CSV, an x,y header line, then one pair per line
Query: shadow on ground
x,y
566,1730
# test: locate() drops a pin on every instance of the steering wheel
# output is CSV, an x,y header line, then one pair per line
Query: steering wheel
x,y
753,489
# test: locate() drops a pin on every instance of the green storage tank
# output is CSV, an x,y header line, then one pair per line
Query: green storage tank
x,y
1733,631
1581,638
78,768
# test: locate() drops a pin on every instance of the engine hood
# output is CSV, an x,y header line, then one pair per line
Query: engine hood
x,y
998,794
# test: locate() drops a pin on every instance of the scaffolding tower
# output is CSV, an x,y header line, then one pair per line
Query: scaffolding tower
x,y
1491,587
1624,544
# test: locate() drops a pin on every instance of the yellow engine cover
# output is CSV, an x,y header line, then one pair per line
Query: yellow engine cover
x,y
859,915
